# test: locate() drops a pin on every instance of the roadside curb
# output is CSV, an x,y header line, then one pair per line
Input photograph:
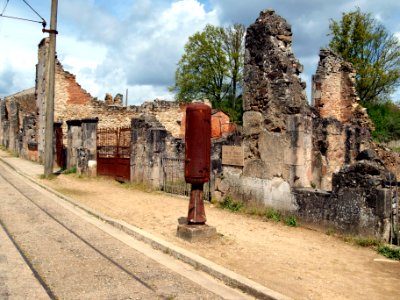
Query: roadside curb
x,y
230,278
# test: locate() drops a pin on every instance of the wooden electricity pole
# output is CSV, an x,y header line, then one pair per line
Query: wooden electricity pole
x,y
49,130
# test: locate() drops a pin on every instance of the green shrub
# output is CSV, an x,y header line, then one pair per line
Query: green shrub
x,y
273,214
386,118
70,170
366,242
291,221
231,204
389,252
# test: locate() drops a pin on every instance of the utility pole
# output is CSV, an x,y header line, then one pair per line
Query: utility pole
x,y
49,130
126,98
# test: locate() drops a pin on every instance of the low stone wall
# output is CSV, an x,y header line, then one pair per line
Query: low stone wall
x,y
347,211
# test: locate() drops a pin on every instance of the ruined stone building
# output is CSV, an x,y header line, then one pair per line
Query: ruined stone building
x,y
315,160
300,157
72,102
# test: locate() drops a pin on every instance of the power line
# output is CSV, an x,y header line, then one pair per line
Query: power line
x,y
4,9
23,19
34,10
43,22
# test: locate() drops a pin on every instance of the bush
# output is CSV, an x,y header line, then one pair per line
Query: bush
x,y
273,214
70,171
386,118
291,221
389,252
231,204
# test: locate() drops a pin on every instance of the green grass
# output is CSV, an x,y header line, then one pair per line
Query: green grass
x,y
273,214
71,170
49,177
389,251
290,221
138,186
366,242
396,149
230,204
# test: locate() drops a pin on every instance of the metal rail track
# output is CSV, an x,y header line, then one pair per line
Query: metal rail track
x,y
24,189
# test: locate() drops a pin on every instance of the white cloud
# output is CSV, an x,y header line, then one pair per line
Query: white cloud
x,y
147,55
135,44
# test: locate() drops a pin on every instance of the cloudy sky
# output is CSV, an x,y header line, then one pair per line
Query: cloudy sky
x,y
116,45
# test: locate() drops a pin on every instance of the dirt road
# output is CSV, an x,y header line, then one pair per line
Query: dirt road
x,y
75,256
298,262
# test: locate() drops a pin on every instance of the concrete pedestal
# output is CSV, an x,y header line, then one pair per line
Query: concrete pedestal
x,y
195,232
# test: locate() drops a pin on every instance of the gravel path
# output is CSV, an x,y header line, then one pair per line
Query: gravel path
x,y
72,258
298,262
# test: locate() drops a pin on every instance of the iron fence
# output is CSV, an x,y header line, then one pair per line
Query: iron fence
x,y
174,178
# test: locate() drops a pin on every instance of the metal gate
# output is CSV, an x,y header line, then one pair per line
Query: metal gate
x,y
174,178
114,152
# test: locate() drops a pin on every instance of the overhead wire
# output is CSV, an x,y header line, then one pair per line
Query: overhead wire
x,y
5,7
43,22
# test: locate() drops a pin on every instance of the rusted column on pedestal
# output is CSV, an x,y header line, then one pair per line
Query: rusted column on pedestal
x,y
197,157
197,171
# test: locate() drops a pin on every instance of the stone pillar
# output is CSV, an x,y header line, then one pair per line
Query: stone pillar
x,y
89,136
89,143
299,155
148,146
74,142
29,138
14,125
3,118
343,127
155,152
274,98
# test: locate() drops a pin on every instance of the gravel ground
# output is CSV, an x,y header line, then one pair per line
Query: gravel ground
x,y
298,262
73,258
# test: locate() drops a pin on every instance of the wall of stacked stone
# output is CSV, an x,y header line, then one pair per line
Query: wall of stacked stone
x,y
341,126
360,202
290,146
277,121
151,142
17,119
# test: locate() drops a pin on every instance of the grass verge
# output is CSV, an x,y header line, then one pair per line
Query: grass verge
x,y
258,210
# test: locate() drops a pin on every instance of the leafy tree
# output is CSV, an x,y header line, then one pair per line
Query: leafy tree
x,y
234,48
386,118
374,53
211,67
203,68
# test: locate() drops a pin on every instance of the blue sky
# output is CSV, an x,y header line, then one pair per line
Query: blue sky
x,y
116,45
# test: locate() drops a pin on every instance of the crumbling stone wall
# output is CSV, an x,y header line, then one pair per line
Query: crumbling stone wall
x,y
150,143
15,111
277,123
73,102
341,126
359,203
82,146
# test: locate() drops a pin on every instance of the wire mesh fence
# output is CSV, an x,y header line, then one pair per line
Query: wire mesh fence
x,y
174,178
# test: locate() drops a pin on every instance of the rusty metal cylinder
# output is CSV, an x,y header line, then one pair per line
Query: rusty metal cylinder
x,y
197,143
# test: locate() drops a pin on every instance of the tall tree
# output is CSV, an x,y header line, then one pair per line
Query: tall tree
x,y
211,66
234,48
203,68
374,53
